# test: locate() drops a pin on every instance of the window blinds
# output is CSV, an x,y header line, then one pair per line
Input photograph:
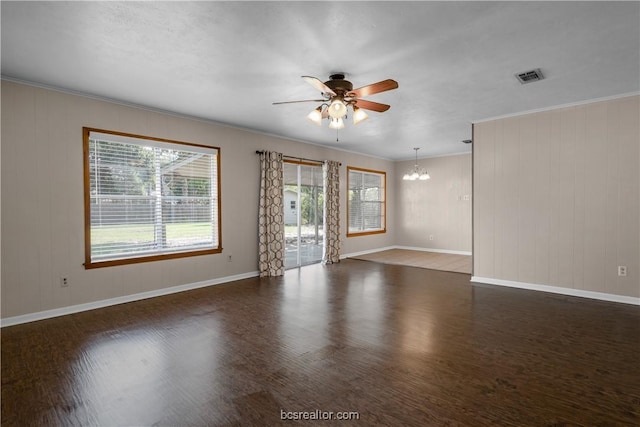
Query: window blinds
x,y
366,201
149,197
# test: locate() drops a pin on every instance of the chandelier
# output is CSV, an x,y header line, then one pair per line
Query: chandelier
x,y
416,173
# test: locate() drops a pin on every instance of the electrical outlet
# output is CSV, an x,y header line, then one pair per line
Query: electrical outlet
x,y
64,282
622,270
430,236
229,258
465,197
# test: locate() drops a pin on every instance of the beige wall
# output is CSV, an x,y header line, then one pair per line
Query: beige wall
x,y
556,197
436,207
42,199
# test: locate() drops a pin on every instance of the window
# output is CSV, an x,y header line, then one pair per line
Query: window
x,y
293,204
366,207
148,198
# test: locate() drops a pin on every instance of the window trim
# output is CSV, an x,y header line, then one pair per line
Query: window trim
x,y
88,264
384,203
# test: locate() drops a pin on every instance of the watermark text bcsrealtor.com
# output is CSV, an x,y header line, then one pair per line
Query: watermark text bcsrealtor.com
x,y
319,415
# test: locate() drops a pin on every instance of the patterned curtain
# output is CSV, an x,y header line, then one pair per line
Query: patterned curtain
x,y
331,246
271,215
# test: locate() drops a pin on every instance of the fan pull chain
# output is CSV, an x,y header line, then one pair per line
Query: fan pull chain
x,y
337,131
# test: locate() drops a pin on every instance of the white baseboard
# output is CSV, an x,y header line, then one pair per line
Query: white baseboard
x,y
558,290
410,248
440,251
47,314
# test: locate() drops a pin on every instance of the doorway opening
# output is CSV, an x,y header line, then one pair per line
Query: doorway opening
x,y
303,213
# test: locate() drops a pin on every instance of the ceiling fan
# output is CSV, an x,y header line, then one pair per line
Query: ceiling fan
x,y
338,94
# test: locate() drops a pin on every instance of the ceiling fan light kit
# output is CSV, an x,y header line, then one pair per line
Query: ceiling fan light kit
x,y
359,115
336,123
416,173
316,116
337,108
339,95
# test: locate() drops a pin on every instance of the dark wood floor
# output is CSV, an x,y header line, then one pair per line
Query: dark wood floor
x,y
399,345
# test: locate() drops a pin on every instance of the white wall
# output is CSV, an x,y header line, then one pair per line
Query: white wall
x,y
437,207
557,197
42,199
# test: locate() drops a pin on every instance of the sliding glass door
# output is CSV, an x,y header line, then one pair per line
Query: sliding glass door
x,y
303,216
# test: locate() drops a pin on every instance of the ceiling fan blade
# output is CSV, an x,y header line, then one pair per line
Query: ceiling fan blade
x,y
372,106
295,102
374,88
316,83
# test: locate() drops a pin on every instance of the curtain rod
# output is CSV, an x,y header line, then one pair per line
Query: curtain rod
x,y
296,158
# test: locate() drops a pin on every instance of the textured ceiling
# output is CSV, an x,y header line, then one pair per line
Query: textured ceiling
x,y
228,61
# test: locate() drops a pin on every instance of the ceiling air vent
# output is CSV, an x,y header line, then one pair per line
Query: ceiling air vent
x,y
530,76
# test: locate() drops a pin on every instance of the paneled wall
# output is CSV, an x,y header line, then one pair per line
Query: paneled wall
x,y
42,199
557,197
435,214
